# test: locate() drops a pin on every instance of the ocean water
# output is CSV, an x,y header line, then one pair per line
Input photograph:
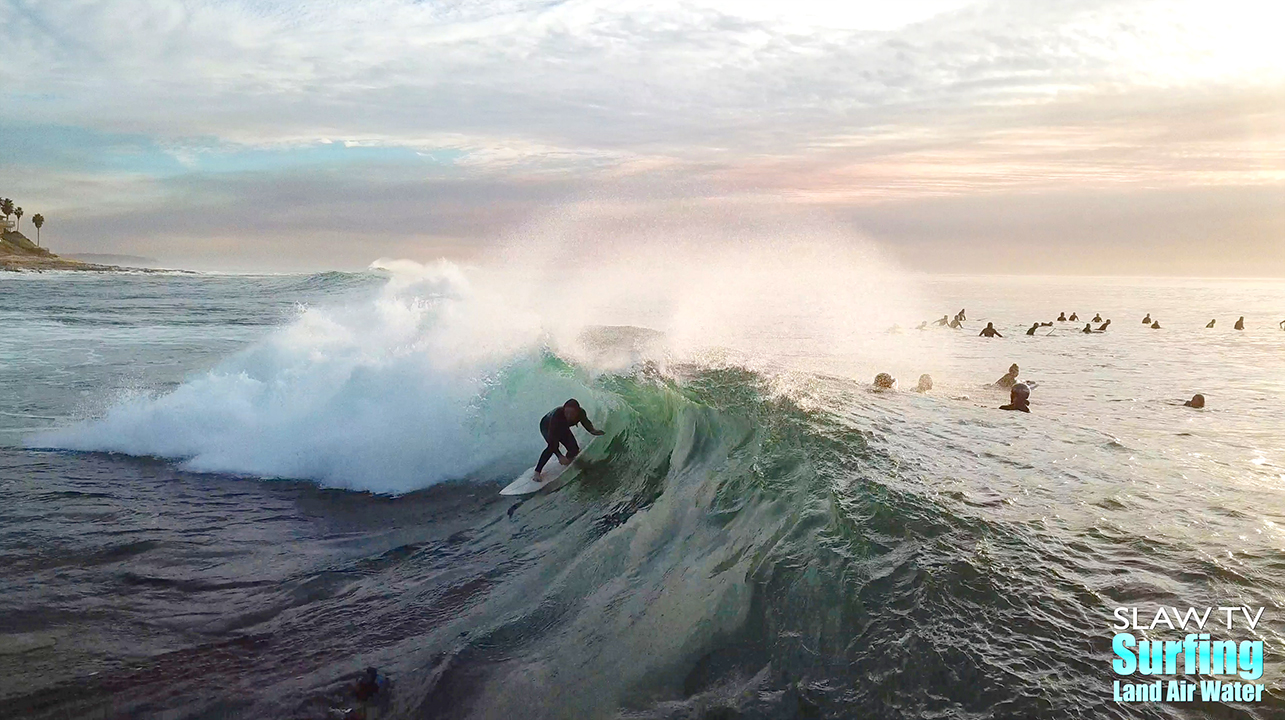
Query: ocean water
x,y
225,496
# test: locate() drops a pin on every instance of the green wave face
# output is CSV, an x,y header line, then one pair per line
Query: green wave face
x,y
724,547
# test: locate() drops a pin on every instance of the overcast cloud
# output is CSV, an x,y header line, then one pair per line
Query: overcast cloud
x,y
961,135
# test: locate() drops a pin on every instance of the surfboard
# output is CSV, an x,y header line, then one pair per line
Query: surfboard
x,y
526,483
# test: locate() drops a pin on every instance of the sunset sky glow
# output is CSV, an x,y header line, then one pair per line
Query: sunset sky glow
x,y
961,136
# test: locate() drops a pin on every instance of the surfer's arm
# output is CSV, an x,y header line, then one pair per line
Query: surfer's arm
x,y
589,426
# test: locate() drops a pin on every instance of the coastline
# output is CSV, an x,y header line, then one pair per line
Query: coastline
x,y
19,254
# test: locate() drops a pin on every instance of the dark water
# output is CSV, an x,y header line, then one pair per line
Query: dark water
x,y
725,551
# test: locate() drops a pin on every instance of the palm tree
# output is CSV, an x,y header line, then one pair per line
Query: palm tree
x,y
38,220
18,212
6,207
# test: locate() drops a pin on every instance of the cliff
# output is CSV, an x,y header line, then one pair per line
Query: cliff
x,y
19,253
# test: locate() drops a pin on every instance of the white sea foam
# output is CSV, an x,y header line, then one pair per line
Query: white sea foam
x,y
443,372
419,384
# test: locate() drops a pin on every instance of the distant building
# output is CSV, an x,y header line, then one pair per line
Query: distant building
x,y
7,225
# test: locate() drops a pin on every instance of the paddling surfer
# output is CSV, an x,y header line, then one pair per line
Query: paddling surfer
x,y
555,428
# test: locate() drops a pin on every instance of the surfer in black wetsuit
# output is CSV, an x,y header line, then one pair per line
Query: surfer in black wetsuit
x,y
555,428
989,331
1097,318
1032,329
1240,324
1061,317
1018,399
1211,323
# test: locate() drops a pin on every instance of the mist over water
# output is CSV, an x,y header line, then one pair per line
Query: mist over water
x,y
437,374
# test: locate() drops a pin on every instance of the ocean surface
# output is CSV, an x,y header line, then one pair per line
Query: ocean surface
x,y
224,496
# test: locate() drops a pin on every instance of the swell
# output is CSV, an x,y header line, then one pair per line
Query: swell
x,y
723,552
735,555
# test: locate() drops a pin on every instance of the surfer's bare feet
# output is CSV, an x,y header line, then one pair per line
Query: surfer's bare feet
x,y
538,476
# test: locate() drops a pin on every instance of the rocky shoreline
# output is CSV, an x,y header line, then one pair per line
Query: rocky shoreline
x,y
19,254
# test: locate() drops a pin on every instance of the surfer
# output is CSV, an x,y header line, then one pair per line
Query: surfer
x,y
1240,324
1009,379
960,317
1155,325
884,381
1018,399
1074,318
1061,317
989,331
1211,323
1197,401
1147,320
555,428
1097,318
1088,328
1103,327
945,320
1031,330
956,324
925,383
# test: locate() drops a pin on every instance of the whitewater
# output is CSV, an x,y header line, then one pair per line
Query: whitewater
x,y
226,495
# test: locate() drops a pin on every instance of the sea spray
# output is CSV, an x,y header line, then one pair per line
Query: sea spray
x,y
418,384
443,372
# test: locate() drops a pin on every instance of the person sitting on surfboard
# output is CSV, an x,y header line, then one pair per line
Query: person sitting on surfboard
x,y
555,428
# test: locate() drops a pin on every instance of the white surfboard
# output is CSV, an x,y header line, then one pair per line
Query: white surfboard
x,y
527,484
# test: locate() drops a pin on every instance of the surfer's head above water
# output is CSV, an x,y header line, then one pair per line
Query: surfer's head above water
x,y
1197,401
1010,378
1018,398
925,383
884,381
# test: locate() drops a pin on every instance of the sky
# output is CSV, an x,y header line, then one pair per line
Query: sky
x,y
1041,136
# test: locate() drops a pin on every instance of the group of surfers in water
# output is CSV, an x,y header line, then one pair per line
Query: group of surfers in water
x,y
1019,393
957,323
555,426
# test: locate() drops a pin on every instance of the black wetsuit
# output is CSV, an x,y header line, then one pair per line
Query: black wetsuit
x,y
1020,406
555,429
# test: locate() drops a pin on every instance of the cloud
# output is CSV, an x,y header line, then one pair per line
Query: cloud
x,y
828,104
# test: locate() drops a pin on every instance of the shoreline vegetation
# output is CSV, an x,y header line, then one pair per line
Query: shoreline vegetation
x,y
18,253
